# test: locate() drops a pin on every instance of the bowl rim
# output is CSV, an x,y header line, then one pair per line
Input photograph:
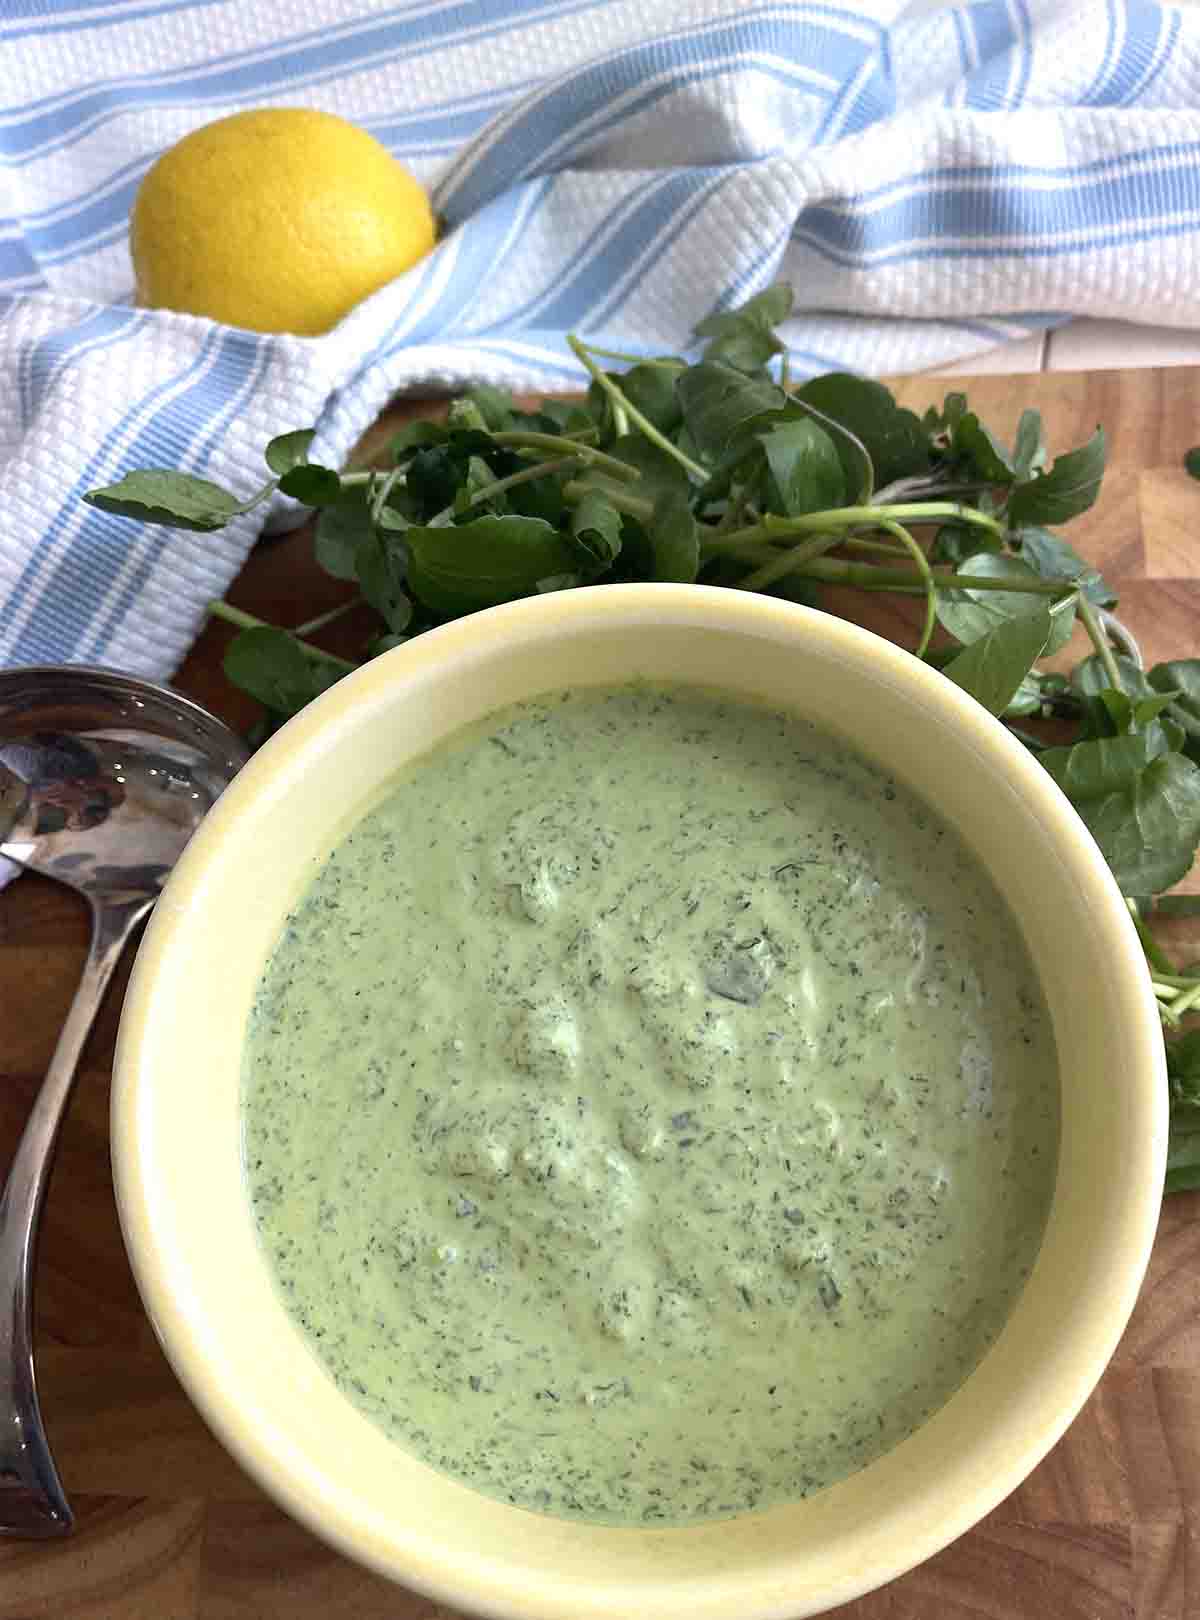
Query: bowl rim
x,y
554,616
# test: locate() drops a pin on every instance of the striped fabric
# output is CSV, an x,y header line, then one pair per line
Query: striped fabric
x,y
931,185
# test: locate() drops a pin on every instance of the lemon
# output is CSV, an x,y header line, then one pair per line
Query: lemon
x,y
279,219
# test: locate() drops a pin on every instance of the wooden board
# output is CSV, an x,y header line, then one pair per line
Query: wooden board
x,y
1108,1528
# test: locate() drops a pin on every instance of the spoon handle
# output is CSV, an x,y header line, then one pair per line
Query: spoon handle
x,y
32,1501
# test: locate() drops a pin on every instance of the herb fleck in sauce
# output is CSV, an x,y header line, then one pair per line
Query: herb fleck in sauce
x,y
651,1113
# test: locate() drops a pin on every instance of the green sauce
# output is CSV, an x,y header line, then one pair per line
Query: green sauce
x,y
650,1109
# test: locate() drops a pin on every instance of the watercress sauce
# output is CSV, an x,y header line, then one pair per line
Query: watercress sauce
x,y
650,1109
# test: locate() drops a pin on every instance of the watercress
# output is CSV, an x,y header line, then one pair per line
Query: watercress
x,y
720,470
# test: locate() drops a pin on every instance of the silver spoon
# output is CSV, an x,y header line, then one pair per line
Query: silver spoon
x,y
103,779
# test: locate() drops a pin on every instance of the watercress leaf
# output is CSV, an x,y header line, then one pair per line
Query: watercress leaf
x,y
1149,708
383,644
176,500
554,416
289,450
477,477
1183,1156
495,406
596,529
1153,847
944,422
540,498
745,337
313,485
718,402
993,667
1051,557
575,419
1119,708
982,451
893,438
686,444
1089,677
744,463
1192,462
1140,802
435,475
271,666
1028,697
806,470
636,561
1067,489
1182,676
674,539
341,529
414,436
955,542
1183,1053
1112,714
558,582
858,470
461,567
1062,613
396,519
1181,905
968,614
660,472
1094,720
1104,765
1029,451
381,566
601,409
1174,737
651,390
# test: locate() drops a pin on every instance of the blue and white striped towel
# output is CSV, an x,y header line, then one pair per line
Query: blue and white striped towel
x,y
931,186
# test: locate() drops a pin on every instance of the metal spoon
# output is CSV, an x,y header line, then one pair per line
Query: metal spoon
x,y
103,779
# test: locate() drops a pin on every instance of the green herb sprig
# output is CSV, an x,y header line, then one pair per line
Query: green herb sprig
x,y
717,470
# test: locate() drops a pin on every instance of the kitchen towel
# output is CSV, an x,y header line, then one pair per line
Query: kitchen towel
x,y
931,184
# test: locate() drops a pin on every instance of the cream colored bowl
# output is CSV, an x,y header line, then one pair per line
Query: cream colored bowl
x,y
176,1127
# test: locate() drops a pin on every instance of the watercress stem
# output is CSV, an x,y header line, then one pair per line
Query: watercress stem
x,y
1155,954
379,497
878,548
633,505
787,562
899,532
913,489
540,469
1185,1002
1100,641
559,446
836,572
247,621
322,619
663,364
643,423
853,517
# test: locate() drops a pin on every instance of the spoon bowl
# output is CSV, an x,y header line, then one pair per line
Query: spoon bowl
x,y
103,779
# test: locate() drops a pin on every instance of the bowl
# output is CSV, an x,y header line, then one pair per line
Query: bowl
x,y
176,1130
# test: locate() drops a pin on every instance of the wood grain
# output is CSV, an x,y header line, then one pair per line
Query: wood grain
x,y
1108,1528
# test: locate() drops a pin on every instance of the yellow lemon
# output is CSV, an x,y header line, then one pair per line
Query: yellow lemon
x,y
280,220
